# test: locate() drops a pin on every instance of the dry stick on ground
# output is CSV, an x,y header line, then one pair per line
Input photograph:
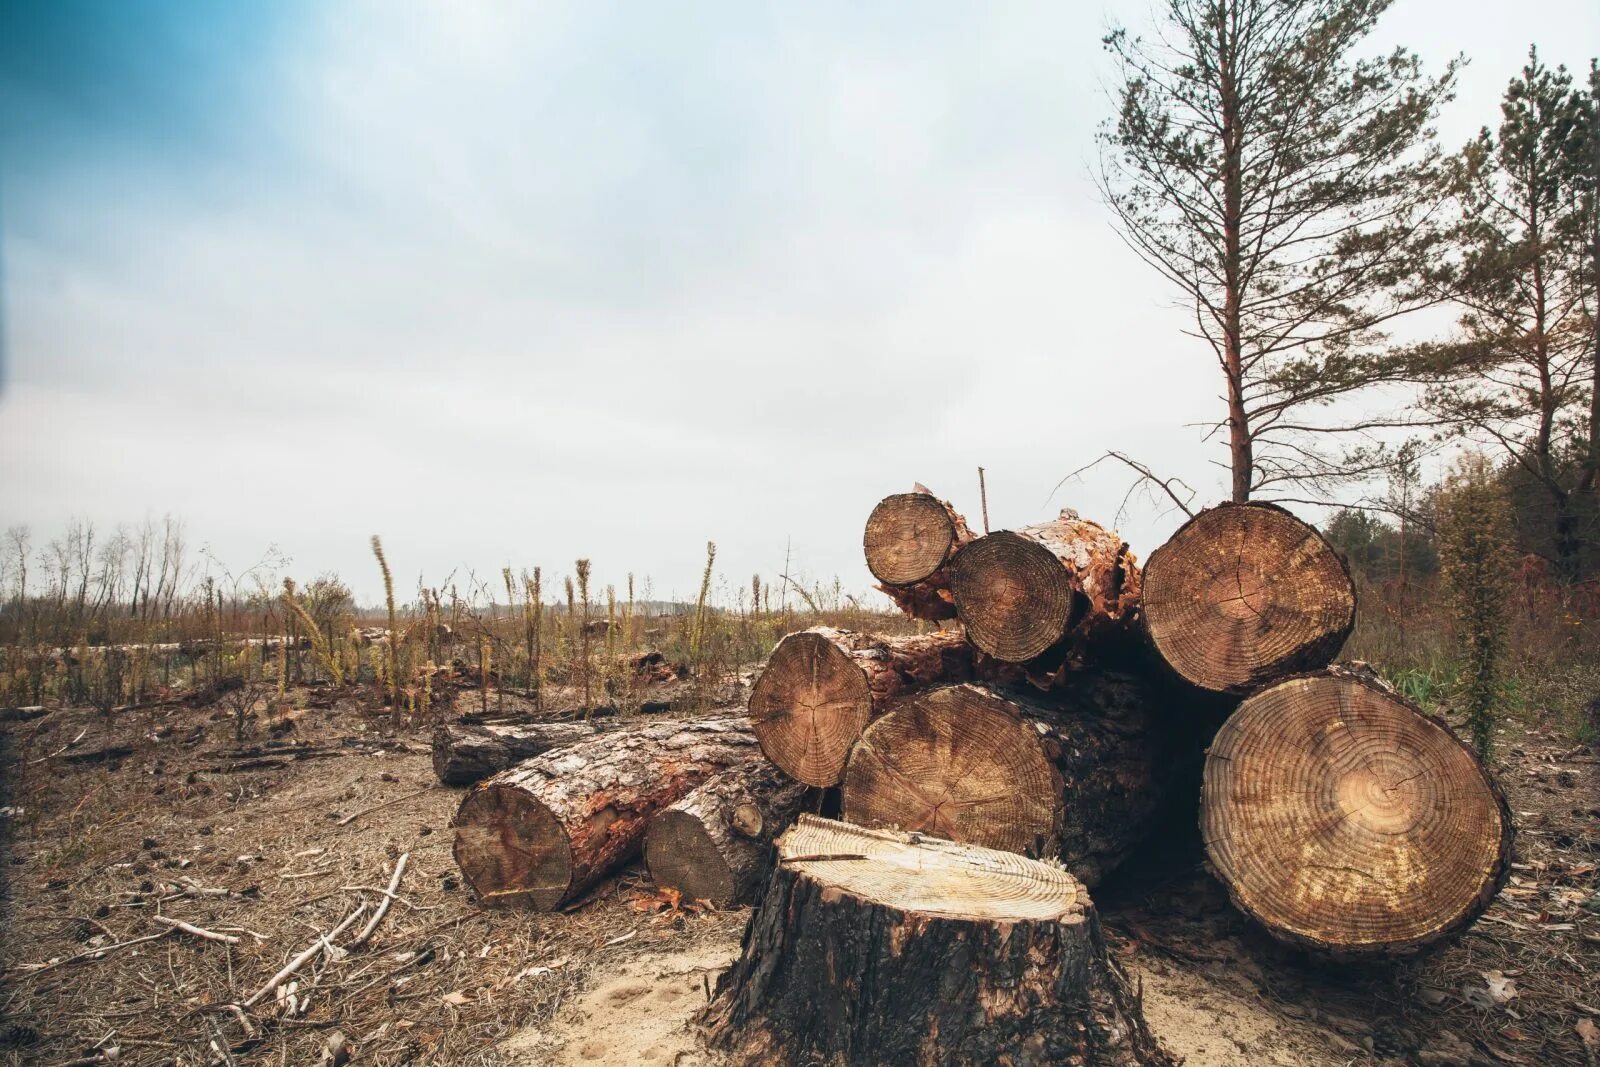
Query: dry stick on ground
x,y
858,927
388,897
92,953
821,687
378,807
1076,779
321,944
1022,592
1245,593
1344,819
209,935
548,829
909,541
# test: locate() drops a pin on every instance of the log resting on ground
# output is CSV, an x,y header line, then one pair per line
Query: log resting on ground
x,y
909,541
1345,820
465,754
1056,586
716,843
1078,778
1246,593
551,827
875,948
822,686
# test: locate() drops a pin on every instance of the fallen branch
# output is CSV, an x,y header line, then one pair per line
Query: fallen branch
x,y
377,807
323,941
209,935
388,898
91,954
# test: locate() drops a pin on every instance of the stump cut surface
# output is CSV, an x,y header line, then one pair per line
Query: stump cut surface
x,y
1342,818
1244,593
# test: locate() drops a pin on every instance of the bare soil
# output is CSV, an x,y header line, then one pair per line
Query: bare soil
x,y
276,845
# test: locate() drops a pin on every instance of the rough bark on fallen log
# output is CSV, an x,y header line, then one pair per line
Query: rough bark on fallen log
x,y
715,844
1344,819
551,827
821,687
1077,778
1245,593
463,755
877,948
1022,593
909,541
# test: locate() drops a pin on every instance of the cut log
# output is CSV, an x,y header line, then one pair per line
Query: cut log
x,y
909,541
873,947
1245,593
553,826
1075,779
1344,819
716,843
1021,593
463,755
822,686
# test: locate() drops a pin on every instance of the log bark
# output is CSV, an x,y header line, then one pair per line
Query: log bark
x,y
1246,593
1078,778
822,686
464,754
549,828
716,843
1344,819
909,542
874,948
1055,587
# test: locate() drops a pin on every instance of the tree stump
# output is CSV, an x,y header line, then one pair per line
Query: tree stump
x,y
1075,779
1344,819
1245,593
545,830
822,686
877,948
1019,593
909,541
716,843
463,754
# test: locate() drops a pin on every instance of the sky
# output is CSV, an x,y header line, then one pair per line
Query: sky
x,y
513,284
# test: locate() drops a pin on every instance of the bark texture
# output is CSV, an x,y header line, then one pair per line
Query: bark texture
x,y
909,542
465,754
549,828
874,948
1344,819
1246,593
821,687
1055,586
1078,778
716,843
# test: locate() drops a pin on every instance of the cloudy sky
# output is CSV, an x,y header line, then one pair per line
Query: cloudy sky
x,y
517,283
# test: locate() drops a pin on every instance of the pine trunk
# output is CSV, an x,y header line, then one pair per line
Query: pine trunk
x,y
909,542
1052,588
1079,778
873,948
1245,593
716,843
821,687
546,830
1344,819
464,754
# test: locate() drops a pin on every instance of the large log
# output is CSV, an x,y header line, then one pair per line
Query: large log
x,y
1076,779
465,754
1023,593
909,542
1344,819
822,686
551,827
873,948
716,843
1245,593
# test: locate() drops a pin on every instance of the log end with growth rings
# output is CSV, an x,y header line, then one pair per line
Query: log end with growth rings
x,y
1346,820
1244,593
808,707
681,854
512,850
908,537
1013,596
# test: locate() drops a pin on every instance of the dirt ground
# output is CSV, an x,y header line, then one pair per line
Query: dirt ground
x,y
273,843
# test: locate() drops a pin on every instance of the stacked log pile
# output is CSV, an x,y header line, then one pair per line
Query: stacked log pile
x,y
1055,710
